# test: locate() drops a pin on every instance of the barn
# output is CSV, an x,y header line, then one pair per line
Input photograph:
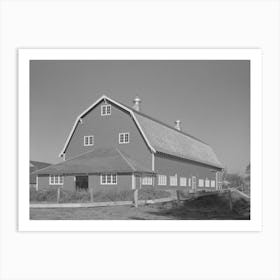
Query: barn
x,y
114,146
33,166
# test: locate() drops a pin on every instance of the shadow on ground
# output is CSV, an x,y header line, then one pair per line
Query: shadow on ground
x,y
211,207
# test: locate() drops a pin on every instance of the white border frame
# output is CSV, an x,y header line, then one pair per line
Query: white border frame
x,y
254,55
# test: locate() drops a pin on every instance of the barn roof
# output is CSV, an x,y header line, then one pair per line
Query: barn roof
x,y
171,141
161,137
96,161
33,166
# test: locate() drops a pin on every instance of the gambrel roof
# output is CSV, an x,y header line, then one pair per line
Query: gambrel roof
x,y
96,161
161,137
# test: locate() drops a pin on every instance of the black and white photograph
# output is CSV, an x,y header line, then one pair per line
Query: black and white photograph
x,y
140,139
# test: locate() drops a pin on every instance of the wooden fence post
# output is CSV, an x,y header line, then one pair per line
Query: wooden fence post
x,y
58,194
230,200
91,194
135,197
178,196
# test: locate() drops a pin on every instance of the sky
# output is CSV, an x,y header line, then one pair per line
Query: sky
x,y
211,98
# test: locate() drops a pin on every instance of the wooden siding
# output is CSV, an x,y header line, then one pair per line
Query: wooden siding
x,y
68,184
106,131
169,166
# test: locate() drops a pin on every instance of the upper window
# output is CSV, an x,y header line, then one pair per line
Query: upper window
x,y
124,138
105,110
88,140
56,180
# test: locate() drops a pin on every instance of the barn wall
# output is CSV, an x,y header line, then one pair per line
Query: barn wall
x,y
69,183
170,166
106,131
124,182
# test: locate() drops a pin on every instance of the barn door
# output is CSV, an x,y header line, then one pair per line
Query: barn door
x,y
81,183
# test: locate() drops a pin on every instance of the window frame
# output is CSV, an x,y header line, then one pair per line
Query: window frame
x,y
56,180
175,178
87,140
162,180
113,179
147,180
183,181
106,113
201,183
122,135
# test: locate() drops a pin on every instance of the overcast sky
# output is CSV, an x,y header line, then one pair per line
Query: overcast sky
x,y
211,98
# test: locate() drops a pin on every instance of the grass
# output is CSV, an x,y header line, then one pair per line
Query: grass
x,y
50,195
211,207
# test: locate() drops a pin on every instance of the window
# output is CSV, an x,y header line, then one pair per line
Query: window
x,y
173,180
88,140
162,180
212,183
148,180
183,181
108,179
201,183
124,138
190,182
105,110
207,183
56,180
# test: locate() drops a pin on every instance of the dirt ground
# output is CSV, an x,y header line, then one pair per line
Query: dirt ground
x,y
204,208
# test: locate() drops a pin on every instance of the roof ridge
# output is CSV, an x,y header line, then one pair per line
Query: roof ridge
x,y
165,124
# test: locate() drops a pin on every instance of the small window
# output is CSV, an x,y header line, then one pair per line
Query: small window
x,y
148,180
124,138
207,183
183,181
173,180
105,110
88,140
108,179
201,183
56,180
212,183
190,182
162,180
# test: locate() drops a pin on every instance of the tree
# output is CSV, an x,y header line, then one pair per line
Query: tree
x,y
234,180
247,179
